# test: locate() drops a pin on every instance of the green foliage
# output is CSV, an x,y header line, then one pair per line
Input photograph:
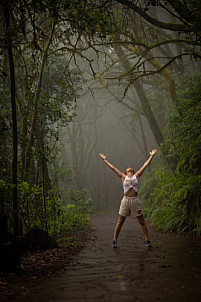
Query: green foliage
x,y
60,215
86,16
174,199
3,185
79,197
71,216
183,135
58,97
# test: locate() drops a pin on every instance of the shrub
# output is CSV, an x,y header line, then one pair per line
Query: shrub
x,y
174,189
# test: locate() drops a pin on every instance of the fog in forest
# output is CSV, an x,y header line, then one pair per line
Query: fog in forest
x,y
106,126
113,124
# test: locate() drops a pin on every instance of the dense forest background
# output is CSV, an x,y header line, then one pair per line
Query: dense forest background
x,y
82,77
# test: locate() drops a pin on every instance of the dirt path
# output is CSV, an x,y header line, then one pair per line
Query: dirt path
x,y
171,271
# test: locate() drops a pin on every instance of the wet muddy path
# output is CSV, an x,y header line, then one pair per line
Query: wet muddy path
x,y
171,271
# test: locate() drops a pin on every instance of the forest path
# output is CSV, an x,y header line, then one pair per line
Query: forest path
x,y
171,271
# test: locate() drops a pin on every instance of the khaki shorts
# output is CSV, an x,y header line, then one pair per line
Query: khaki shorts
x,y
130,206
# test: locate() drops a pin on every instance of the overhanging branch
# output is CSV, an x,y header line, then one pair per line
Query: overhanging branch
x,y
142,13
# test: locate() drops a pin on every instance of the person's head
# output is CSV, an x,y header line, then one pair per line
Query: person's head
x,y
129,171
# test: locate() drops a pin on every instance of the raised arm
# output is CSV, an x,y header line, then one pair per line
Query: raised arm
x,y
139,172
119,173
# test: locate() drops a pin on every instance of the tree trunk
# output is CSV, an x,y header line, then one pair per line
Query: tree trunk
x,y
143,138
14,120
143,99
36,101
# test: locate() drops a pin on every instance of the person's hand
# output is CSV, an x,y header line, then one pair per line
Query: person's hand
x,y
153,152
102,156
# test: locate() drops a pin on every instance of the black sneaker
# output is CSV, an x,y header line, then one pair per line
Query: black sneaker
x,y
114,244
147,243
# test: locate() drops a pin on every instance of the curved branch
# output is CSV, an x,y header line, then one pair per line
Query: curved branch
x,y
142,13
153,71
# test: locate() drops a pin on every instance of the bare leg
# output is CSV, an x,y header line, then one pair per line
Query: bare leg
x,y
143,226
118,227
